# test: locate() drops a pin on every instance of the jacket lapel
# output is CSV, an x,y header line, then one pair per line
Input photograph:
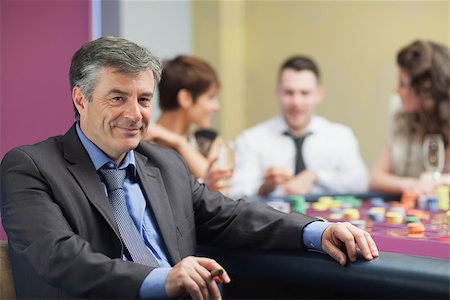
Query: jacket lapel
x,y
153,188
85,174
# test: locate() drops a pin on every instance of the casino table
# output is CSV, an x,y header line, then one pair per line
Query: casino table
x,y
408,268
311,275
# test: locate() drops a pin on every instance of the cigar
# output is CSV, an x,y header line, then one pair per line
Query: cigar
x,y
215,273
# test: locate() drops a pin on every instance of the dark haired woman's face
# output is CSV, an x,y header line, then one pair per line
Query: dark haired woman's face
x,y
410,100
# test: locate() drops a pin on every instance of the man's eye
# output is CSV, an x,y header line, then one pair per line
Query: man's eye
x,y
145,101
117,99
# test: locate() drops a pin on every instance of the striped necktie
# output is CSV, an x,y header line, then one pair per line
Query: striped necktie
x,y
139,252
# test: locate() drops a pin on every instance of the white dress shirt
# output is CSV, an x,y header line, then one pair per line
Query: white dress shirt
x,y
331,151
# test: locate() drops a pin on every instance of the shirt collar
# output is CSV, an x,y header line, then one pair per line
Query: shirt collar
x,y
98,157
283,128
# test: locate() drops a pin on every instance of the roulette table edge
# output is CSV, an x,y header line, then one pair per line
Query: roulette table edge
x,y
293,275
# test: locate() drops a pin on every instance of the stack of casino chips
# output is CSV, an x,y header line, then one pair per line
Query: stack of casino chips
x,y
414,224
432,203
442,193
341,207
336,214
350,202
351,214
298,204
437,202
320,205
377,202
408,200
415,229
395,215
326,203
376,214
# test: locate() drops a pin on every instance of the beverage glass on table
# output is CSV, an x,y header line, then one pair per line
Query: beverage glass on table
x,y
433,154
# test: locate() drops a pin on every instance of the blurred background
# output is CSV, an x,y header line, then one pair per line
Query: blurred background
x,y
354,42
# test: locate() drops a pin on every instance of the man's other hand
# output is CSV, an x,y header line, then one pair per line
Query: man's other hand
x,y
338,235
192,276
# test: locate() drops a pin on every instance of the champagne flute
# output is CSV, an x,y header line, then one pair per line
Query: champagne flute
x,y
434,154
226,155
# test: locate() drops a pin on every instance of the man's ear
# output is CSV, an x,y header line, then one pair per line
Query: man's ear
x,y
185,98
79,100
321,94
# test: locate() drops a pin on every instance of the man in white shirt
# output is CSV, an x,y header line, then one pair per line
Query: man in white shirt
x,y
266,156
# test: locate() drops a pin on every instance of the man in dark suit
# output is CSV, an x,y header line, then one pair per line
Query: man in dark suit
x,y
59,209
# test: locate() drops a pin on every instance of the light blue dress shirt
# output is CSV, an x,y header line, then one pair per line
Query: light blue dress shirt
x,y
153,285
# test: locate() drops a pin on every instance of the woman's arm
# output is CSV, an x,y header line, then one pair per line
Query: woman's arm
x,y
382,179
199,166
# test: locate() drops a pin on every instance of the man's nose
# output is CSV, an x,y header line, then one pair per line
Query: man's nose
x,y
298,98
133,110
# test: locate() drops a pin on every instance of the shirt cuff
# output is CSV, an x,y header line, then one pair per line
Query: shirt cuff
x,y
312,235
154,285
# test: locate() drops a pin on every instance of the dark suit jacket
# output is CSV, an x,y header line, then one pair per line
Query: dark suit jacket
x,y
63,238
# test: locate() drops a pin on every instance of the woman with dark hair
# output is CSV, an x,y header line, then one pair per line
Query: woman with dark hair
x,y
188,93
424,89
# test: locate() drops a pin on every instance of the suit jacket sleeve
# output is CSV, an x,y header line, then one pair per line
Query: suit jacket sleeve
x,y
49,238
242,224
209,218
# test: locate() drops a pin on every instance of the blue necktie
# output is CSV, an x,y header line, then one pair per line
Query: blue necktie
x,y
114,179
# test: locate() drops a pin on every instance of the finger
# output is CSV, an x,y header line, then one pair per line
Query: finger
x,y
193,289
207,285
334,252
346,236
362,243
217,175
211,264
372,246
200,276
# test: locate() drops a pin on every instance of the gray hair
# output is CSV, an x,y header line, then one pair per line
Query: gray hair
x,y
109,52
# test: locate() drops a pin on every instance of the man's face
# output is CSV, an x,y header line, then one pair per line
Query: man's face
x,y
117,117
298,94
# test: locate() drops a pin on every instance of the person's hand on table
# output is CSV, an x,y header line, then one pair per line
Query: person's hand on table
x,y
444,179
345,234
192,276
300,184
272,178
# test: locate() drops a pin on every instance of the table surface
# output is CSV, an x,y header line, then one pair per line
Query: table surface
x,y
435,242
394,237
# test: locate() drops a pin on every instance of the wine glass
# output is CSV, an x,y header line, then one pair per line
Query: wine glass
x,y
225,155
433,154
